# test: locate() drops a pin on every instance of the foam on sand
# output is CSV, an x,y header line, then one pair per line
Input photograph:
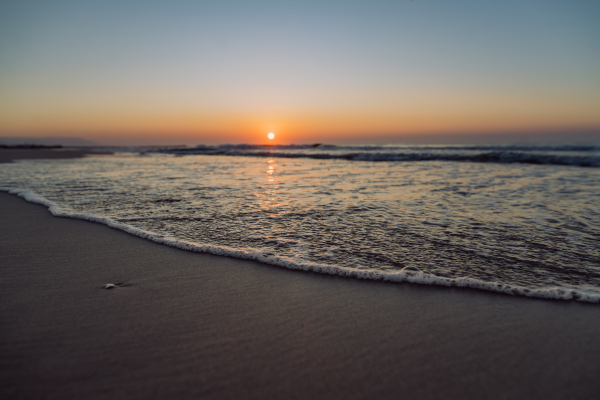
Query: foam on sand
x,y
409,274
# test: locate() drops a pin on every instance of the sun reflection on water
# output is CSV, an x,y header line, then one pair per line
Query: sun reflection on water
x,y
268,198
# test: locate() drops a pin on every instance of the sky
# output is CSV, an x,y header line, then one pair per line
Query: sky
x,y
165,72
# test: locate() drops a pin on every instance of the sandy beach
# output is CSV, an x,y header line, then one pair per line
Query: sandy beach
x,y
305,200
191,325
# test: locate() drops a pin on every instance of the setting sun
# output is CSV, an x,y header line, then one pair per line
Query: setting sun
x,y
271,135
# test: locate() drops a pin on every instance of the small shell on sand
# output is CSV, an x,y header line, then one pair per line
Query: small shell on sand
x,y
109,286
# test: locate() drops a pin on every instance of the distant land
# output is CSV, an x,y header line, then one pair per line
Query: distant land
x,y
46,141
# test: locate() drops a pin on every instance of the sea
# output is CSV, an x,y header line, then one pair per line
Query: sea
x,y
517,219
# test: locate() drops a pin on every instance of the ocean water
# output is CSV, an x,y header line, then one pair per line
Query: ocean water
x,y
518,219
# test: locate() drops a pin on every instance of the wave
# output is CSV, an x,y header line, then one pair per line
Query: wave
x,y
408,274
506,154
474,147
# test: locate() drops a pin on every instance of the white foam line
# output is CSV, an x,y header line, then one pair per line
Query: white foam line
x,y
408,275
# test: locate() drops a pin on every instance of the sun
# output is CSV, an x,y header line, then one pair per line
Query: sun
x,y
271,135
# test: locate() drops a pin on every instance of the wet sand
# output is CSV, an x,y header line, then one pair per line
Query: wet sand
x,y
195,325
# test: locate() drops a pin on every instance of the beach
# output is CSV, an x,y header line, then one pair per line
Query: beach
x,y
313,200
182,324
195,325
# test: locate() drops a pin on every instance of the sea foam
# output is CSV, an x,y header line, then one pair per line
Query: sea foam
x,y
408,274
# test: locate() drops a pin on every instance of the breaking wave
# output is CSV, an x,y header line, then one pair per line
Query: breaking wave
x,y
569,155
409,274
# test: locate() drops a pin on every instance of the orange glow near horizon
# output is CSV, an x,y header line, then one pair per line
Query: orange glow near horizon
x,y
417,115
299,127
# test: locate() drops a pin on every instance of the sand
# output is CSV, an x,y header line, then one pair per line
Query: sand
x,y
195,325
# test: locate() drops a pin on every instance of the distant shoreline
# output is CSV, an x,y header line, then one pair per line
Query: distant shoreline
x,y
9,154
30,146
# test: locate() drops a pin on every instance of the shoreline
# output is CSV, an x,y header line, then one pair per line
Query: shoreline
x,y
195,324
189,325
413,277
